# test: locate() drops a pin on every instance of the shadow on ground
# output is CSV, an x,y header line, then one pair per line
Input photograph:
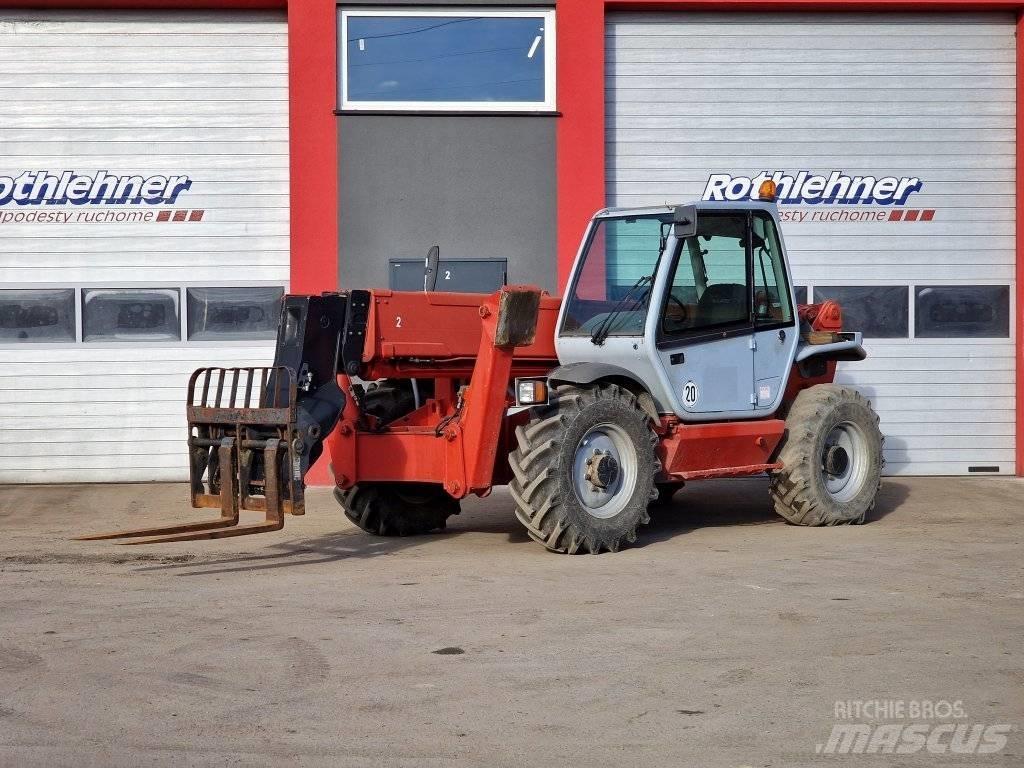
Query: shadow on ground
x,y
326,548
891,496
709,504
728,503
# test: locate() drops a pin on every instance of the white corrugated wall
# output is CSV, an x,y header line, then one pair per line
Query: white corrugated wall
x,y
202,94
932,96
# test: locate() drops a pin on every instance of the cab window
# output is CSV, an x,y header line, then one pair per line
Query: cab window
x,y
613,283
710,288
771,290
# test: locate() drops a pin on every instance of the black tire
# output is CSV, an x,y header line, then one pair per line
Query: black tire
x,y
397,509
544,486
389,400
813,458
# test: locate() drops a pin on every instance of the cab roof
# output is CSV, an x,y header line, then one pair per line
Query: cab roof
x,y
702,205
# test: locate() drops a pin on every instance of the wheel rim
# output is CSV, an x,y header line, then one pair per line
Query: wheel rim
x,y
844,461
604,470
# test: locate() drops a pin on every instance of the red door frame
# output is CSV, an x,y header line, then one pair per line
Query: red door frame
x,y
580,165
581,130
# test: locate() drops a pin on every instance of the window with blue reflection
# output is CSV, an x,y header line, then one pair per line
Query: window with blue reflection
x,y
471,59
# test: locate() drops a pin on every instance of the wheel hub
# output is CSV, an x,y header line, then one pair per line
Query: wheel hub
x,y
836,460
844,461
602,470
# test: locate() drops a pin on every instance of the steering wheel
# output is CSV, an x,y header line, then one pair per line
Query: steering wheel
x,y
683,316
763,301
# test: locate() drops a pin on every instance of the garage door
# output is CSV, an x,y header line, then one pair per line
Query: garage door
x,y
143,227
843,109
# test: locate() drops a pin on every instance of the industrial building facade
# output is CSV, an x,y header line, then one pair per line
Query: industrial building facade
x,y
167,173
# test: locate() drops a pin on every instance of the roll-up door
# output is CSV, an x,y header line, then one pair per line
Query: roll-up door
x,y
696,103
143,227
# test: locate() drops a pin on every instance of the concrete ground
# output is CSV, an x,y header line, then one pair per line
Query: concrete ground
x,y
724,638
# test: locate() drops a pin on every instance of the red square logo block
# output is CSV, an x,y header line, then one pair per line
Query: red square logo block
x,y
180,215
196,215
163,216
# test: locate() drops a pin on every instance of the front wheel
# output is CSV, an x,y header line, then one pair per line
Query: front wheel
x,y
584,470
831,456
397,509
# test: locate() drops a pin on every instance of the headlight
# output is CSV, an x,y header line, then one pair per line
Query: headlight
x,y
531,391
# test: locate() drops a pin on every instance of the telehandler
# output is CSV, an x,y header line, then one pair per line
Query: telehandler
x,y
678,353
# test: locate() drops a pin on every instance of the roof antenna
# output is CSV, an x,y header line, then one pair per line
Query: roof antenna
x,y
430,268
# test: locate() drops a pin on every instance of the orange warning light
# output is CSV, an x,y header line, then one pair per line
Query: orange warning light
x,y
767,191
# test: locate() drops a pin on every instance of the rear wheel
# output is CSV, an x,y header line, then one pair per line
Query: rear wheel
x,y
584,470
397,509
832,458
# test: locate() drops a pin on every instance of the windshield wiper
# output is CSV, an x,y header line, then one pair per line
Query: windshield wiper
x,y
605,328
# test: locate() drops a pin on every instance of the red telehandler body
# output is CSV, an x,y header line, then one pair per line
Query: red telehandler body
x,y
679,354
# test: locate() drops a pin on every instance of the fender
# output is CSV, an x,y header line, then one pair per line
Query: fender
x,y
590,373
847,349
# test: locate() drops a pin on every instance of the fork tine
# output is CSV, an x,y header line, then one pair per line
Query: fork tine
x,y
221,522
222,533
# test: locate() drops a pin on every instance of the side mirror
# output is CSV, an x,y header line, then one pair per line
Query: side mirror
x,y
430,268
684,221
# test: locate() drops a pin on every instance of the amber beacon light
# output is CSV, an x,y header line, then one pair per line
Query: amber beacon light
x,y
767,191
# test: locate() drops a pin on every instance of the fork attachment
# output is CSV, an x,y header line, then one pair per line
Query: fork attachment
x,y
254,432
241,457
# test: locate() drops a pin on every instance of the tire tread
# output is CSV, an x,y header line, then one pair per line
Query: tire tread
x,y
794,493
535,466
377,509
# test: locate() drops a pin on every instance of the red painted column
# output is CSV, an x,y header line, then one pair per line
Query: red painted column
x,y
580,164
1020,244
313,149
313,145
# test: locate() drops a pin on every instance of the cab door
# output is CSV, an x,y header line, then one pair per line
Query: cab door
x,y
775,328
705,332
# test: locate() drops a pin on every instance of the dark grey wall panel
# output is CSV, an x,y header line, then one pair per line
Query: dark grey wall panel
x,y
453,275
480,187
460,4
